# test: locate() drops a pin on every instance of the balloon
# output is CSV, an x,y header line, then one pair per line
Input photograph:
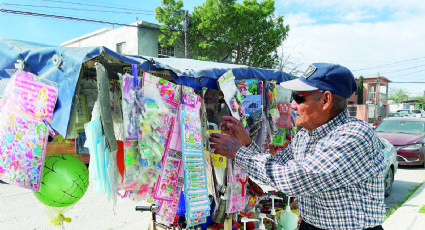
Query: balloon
x,y
64,180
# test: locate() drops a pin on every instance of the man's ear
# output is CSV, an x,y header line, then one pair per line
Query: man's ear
x,y
327,99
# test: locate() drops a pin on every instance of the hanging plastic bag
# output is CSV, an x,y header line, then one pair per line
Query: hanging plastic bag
x,y
237,180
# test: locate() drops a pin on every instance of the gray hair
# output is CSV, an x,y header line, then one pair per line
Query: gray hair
x,y
340,103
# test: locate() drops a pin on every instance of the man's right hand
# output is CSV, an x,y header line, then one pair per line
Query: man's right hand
x,y
234,128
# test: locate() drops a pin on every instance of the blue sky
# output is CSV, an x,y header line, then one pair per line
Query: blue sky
x,y
367,36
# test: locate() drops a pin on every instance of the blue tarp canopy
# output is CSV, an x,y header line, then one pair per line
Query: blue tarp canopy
x,y
198,74
39,60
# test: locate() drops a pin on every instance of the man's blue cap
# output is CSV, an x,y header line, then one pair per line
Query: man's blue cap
x,y
324,76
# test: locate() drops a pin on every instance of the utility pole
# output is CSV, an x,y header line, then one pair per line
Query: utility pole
x,y
377,96
186,34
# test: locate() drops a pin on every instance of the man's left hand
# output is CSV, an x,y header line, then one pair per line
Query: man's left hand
x,y
224,145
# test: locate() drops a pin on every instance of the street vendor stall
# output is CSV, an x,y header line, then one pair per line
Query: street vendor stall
x,y
142,126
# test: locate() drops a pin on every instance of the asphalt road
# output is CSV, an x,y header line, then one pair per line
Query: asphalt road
x,y
406,179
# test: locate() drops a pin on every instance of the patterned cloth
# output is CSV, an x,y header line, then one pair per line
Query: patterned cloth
x,y
335,171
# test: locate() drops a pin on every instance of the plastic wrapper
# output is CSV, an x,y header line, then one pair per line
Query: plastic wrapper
x,y
26,109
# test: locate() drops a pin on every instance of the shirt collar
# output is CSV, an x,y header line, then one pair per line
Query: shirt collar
x,y
330,125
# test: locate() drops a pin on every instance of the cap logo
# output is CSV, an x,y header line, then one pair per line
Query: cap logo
x,y
309,71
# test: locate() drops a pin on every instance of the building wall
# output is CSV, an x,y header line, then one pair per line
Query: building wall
x,y
109,38
141,40
148,42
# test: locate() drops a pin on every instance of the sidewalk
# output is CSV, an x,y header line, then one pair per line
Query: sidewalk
x,y
20,210
407,217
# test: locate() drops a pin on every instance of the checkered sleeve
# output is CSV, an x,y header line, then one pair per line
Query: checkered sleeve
x,y
345,157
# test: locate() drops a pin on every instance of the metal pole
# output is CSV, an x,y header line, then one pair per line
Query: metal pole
x,y
186,34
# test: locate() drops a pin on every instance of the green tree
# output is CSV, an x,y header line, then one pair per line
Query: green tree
x,y
398,95
248,32
172,16
360,91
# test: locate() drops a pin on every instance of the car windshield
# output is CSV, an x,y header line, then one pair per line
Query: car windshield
x,y
400,126
416,111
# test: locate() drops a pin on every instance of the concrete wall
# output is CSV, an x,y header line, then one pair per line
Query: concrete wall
x,y
141,40
148,42
109,38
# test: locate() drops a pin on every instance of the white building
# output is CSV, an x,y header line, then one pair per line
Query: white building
x,y
139,38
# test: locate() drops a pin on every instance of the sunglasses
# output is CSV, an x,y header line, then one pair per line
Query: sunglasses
x,y
300,98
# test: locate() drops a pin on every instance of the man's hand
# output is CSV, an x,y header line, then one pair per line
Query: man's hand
x,y
224,145
234,128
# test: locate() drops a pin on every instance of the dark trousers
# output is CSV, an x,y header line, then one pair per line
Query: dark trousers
x,y
307,226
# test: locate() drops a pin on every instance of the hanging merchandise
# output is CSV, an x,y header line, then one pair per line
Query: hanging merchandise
x,y
237,179
154,122
232,96
129,106
168,209
103,164
26,111
168,179
64,180
196,191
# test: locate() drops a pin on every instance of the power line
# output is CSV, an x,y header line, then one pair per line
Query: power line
x,y
76,19
406,74
63,17
414,67
77,9
390,64
394,71
84,4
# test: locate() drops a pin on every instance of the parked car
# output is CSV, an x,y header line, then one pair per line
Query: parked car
x,y
407,134
390,158
418,112
394,115
406,113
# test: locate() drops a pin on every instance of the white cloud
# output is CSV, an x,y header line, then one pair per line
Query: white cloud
x,y
362,45
298,19
344,5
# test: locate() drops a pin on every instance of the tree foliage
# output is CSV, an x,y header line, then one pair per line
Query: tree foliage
x,y
360,91
172,16
247,33
398,95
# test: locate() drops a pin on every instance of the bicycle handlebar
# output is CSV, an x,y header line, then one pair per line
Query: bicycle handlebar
x,y
143,208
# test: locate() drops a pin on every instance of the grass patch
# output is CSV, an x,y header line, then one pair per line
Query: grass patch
x,y
422,210
391,211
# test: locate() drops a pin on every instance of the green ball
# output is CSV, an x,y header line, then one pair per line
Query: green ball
x,y
64,180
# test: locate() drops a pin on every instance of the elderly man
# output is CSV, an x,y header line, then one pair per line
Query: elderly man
x,y
334,165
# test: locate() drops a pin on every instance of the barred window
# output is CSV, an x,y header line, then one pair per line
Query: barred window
x,y
164,52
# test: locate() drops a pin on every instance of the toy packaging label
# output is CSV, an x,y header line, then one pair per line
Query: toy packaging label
x,y
168,179
232,95
251,103
168,209
248,87
28,107
195,177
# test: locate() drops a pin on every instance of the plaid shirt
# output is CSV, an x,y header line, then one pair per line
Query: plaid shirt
x,y
335,171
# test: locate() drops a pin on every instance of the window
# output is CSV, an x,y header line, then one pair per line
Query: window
x,y
164,52
121,48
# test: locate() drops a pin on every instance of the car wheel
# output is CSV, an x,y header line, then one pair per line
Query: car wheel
x,y
389,178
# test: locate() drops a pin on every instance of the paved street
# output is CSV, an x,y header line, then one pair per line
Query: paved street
x,y
20,210
406,179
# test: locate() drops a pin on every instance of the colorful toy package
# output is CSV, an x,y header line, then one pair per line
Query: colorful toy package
x,y
27,108
232,95
168,209
195,177
237,180
129,107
